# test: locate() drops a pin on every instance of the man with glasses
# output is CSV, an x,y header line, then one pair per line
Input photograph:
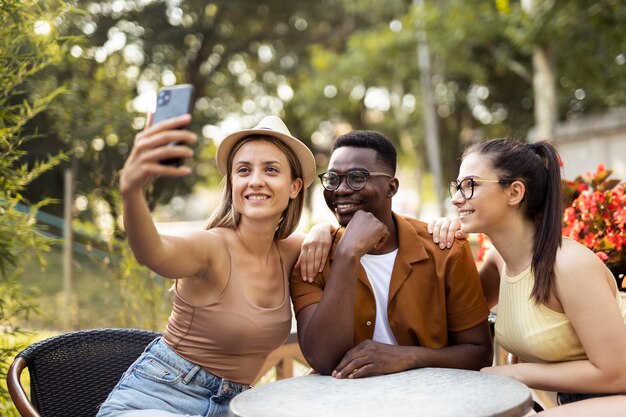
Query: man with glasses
x,y
388,298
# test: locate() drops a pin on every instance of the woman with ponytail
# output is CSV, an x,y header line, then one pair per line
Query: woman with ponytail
x,y
559,309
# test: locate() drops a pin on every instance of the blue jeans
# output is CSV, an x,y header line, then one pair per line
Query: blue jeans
x,y
162,384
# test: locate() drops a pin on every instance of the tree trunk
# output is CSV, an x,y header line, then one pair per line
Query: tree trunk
x,y
544,86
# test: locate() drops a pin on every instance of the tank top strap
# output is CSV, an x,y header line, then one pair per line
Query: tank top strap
x,y
284,277
282,266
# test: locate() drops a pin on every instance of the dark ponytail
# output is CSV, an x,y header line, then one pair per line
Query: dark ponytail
x,y
548,224
537,166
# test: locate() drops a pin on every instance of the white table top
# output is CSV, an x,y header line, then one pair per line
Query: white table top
x,y
431,392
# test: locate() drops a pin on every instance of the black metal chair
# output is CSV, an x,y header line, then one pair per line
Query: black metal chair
x,y
73,373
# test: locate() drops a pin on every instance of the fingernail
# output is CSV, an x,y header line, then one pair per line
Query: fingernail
x,y
436,240
449,244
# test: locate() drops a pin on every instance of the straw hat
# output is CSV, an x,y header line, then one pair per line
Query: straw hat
x,y
269,126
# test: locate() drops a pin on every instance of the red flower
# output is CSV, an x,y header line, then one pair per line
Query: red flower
x,y
480,255
596,216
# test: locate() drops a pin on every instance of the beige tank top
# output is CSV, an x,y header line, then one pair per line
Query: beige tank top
x,y
534,332
230,337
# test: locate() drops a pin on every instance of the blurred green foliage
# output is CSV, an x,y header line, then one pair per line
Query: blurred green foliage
x,y
24,56
107,292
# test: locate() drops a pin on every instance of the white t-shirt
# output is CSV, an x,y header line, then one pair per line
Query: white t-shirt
x,y
378,269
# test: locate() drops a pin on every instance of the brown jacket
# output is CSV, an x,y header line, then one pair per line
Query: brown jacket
x,y
432,291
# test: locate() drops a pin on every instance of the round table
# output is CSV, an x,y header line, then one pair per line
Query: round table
x,y
431,392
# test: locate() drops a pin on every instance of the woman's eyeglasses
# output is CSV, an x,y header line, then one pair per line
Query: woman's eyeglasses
x,y
466,186
355,179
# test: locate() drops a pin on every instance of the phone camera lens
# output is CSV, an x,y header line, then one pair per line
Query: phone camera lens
x,y
163,98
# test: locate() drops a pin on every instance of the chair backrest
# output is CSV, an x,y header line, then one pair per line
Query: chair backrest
x,y
72,374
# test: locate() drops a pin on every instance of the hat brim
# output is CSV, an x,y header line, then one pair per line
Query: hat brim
x,y
302,152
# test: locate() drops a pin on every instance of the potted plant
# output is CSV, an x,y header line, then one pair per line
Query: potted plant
x,y
595,215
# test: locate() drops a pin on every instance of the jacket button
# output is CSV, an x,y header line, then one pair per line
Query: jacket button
x,y
369,323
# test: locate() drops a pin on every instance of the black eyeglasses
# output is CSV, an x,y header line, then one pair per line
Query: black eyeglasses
x,y
466,186
355,179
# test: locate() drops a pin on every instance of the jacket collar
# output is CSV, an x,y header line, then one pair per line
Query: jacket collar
x,y
410,251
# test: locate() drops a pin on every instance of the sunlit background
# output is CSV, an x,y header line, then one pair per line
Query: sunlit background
x,y
433,76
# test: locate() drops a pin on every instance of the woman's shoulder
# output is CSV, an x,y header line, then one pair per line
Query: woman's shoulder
x,y
289,247
219,233
581,278
210,241
573,254
216,234
575,262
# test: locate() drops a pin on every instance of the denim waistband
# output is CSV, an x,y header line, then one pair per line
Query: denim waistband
x,y
224,387
570,397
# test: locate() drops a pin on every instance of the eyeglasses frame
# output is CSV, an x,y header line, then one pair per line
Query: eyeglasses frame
x,y
456,185
367,174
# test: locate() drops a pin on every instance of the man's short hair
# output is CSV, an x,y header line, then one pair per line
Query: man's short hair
x,y
385,151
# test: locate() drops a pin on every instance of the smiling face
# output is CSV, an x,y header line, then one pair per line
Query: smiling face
x,y
488,206
375,197
261,178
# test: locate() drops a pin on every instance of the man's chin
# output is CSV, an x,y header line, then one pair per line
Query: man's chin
x,y
343,218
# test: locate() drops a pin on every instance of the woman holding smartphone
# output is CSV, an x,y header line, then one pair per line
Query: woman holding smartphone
x,y
559,309
231,303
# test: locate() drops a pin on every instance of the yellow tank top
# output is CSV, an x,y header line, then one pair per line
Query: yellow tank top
x,y
534,332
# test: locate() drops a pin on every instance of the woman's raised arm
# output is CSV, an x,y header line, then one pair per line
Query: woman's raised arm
x,y
169,256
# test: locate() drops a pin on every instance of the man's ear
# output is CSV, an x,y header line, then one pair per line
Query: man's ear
x,y
516,193
393,187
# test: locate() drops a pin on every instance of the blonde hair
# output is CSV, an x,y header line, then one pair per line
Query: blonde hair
x,y
227,216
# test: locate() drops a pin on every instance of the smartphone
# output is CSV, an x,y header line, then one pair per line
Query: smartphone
x,y
172,102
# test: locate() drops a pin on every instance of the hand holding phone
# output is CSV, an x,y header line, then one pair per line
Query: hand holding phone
x,y
173,102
